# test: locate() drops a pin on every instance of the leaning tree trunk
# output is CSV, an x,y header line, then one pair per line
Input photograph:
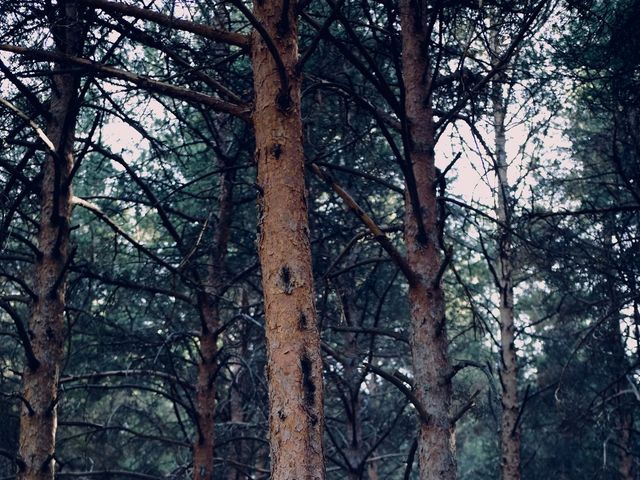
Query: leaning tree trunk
x,y
509,429
208,302
38,418
294,365
429,343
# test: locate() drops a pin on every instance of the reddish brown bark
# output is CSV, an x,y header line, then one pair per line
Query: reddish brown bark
x,y
429,343
38,418
204,444
294,369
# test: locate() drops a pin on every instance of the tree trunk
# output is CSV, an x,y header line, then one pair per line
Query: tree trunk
x,y
294,365
429,343
203,447
615,359
38,418
236,415
239,449
509,429
626,446
352,378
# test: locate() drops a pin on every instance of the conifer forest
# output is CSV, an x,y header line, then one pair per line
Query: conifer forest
x,y
319,239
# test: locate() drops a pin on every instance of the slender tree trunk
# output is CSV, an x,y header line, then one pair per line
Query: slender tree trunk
x,y
350,384
236,415
429,343
352,381
615,358
626,446
241,451
509,429
623,401
203,447
38,418
372,470
294,364
372,466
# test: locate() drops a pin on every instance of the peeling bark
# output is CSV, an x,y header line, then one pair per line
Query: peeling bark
x,y
294,370
429,343
38,418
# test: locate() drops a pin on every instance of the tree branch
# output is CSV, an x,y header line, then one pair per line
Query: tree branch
x,y
465,408
32,361
424,416
232,38
101,70
377,232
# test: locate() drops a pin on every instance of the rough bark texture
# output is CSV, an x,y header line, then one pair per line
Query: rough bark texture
x,y
38,418
429,343
509,429
294,365
203,447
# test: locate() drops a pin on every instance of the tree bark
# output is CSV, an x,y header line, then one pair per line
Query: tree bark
x,y
615,359
294,365
203,446
208,301
509,429
429,343
38,418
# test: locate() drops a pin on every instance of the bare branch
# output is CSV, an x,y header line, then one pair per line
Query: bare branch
x,y
32,361
466,407
200,29
101,70
377,232
424,416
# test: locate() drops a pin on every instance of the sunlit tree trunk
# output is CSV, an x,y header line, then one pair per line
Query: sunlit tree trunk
x,y
38,418
429,343
294,365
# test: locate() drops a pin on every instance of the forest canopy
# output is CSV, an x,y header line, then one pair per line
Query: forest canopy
x,y
320,239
